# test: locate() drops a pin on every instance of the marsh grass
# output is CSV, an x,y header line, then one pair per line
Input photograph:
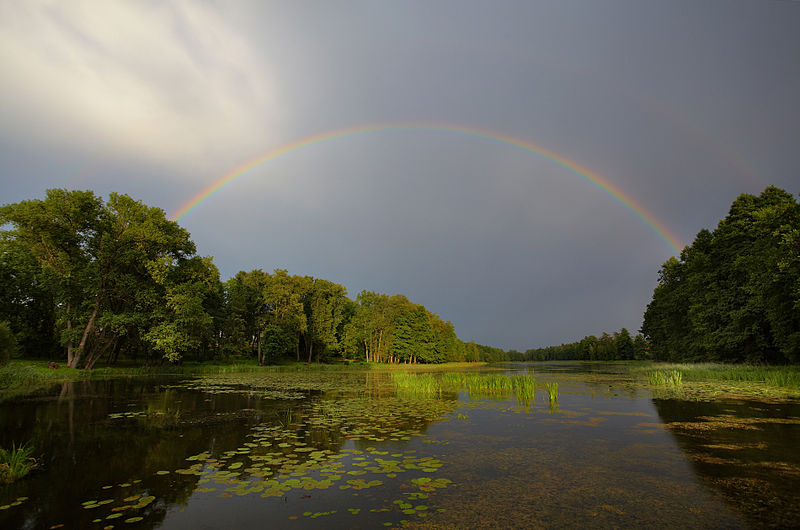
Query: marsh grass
x,y
552,392
490,384
416,384
667,378
16,462
775,377
495,385
525,388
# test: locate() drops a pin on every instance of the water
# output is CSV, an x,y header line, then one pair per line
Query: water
x,y
345,450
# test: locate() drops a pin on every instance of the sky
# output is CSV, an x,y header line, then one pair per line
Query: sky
x,y
520,166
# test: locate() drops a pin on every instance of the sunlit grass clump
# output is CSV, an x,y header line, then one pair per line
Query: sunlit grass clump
x,y
490,384
552,393
525,388
666,378
416,384
16,463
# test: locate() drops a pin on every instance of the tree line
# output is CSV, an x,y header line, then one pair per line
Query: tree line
x,y
89,279
619,346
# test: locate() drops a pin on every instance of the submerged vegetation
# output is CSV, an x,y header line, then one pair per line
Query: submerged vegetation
x,y
16,462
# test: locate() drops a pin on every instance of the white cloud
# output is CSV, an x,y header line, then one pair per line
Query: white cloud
x,y
171,83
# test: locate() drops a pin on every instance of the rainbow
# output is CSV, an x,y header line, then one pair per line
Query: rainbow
x,y
593,178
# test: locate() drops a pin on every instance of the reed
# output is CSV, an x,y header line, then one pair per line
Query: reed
x,y
666,378
16,463
552,392
525,388
490,384
416,384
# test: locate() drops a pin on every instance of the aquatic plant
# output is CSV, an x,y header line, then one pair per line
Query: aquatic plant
x,y
490,384
525,388
16,463
416,384
552,392
455,380
667,378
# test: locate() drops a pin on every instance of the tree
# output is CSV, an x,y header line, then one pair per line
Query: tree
x,y
624,344
734,294
99,261
325,312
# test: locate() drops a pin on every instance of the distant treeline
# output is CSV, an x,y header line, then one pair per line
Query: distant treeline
x,y
734,294
88,280
619,346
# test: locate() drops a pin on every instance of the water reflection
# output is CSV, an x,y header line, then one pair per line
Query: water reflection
x,y
747,451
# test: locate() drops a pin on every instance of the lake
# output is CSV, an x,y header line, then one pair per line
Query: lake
x,y
354,449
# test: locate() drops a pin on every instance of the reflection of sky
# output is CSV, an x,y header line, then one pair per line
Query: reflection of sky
x,y
681,105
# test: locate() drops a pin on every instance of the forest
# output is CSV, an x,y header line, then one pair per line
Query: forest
x,y
84,279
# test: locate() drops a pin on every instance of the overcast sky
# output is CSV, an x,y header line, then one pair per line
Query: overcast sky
x,y
681,104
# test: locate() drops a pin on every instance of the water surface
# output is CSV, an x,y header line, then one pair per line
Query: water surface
x,y
346,450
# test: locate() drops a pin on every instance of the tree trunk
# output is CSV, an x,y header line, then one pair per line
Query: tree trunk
x,y
310,350
98,354
260,358
76,358
69,344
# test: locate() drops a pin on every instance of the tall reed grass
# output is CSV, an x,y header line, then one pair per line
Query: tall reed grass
x,y
552,393
16,462
667,378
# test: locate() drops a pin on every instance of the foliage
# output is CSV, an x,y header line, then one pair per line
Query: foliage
x,y
115,279
103,265
669,378
15,463
8,343
617,347
734,294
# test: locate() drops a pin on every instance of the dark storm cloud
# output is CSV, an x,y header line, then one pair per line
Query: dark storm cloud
x,y
681,104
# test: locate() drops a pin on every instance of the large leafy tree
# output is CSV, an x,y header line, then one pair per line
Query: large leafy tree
x,y
100,261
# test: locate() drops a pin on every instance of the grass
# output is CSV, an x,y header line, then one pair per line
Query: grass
x,y
668,378
16,463
707,380
552,393
489,384
775,376
523,385
525,388
416,384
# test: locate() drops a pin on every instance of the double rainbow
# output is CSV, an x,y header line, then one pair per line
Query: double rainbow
x,y
593,178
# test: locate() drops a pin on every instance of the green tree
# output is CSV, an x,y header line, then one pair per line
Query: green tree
x,y
624,345
733,295
98,260
326,304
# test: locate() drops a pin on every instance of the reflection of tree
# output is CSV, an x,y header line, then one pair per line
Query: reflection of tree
x,y
745,451
81,449
107,440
